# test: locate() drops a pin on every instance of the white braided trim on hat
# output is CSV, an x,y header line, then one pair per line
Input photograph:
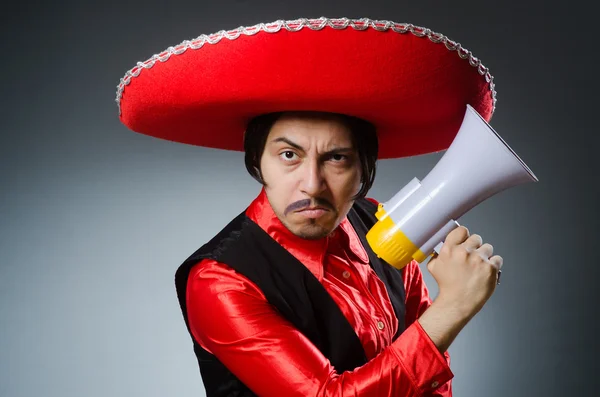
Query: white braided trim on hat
x,y
314,24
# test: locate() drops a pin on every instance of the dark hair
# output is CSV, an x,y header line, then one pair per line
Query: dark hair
x,y
364,137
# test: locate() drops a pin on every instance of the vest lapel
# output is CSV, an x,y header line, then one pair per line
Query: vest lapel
x,y
362,217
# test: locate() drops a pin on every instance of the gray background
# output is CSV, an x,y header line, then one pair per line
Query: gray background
x,y
95,218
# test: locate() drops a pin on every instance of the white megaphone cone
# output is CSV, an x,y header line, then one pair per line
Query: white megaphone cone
x,y
416,220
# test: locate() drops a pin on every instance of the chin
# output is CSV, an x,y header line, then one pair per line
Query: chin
x,y
312,234
313,230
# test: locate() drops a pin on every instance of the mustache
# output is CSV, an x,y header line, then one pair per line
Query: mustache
x,y
301,204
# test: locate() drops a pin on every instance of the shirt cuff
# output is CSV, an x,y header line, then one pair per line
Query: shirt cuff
x,y
421,359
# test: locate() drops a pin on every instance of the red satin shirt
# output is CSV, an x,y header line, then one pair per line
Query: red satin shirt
x,y
230,317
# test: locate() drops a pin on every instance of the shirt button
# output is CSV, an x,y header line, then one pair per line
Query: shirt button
x,y
380,325
435,384
346,274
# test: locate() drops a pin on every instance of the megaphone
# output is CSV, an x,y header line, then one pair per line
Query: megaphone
x,y
416,220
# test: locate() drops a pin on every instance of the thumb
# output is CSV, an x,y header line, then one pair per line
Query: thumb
x,y
432,262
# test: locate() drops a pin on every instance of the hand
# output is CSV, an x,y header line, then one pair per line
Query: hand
x,y
466,271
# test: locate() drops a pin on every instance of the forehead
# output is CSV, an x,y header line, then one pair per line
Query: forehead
x,y
326,127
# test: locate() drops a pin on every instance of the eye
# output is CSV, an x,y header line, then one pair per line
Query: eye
x,y
288,155
336,157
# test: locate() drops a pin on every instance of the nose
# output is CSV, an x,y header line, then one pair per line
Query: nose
x,y
313,182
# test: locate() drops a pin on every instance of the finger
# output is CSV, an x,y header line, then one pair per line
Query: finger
x,y
497,261
473,242
486,251
457,236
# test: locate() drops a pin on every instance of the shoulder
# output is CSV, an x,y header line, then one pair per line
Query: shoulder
x,y
209,278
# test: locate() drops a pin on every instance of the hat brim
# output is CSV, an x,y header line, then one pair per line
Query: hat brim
x,y
411,83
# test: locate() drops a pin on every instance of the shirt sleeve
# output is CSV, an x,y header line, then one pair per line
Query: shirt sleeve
x,y
417,301
230,317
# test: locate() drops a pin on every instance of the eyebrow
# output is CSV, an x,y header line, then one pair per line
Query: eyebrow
x,y
296,146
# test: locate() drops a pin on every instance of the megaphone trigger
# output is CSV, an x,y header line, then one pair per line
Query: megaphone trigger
x,y
438,248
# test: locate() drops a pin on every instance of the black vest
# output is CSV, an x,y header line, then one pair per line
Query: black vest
x,y
293,290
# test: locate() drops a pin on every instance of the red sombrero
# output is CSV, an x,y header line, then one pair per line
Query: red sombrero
x,y
411,83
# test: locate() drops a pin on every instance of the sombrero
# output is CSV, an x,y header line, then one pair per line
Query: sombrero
x,y
413,84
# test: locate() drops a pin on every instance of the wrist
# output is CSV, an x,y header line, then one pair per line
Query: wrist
x,y
461,312
442,322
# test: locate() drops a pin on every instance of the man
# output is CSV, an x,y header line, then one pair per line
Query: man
x,y
289,299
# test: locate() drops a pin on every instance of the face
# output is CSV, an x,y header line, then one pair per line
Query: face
x,y
311,172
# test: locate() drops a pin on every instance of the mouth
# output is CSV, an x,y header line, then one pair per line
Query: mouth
x,y
315,208
312,212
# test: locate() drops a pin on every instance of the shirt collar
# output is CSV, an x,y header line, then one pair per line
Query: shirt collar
x,y
311,253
